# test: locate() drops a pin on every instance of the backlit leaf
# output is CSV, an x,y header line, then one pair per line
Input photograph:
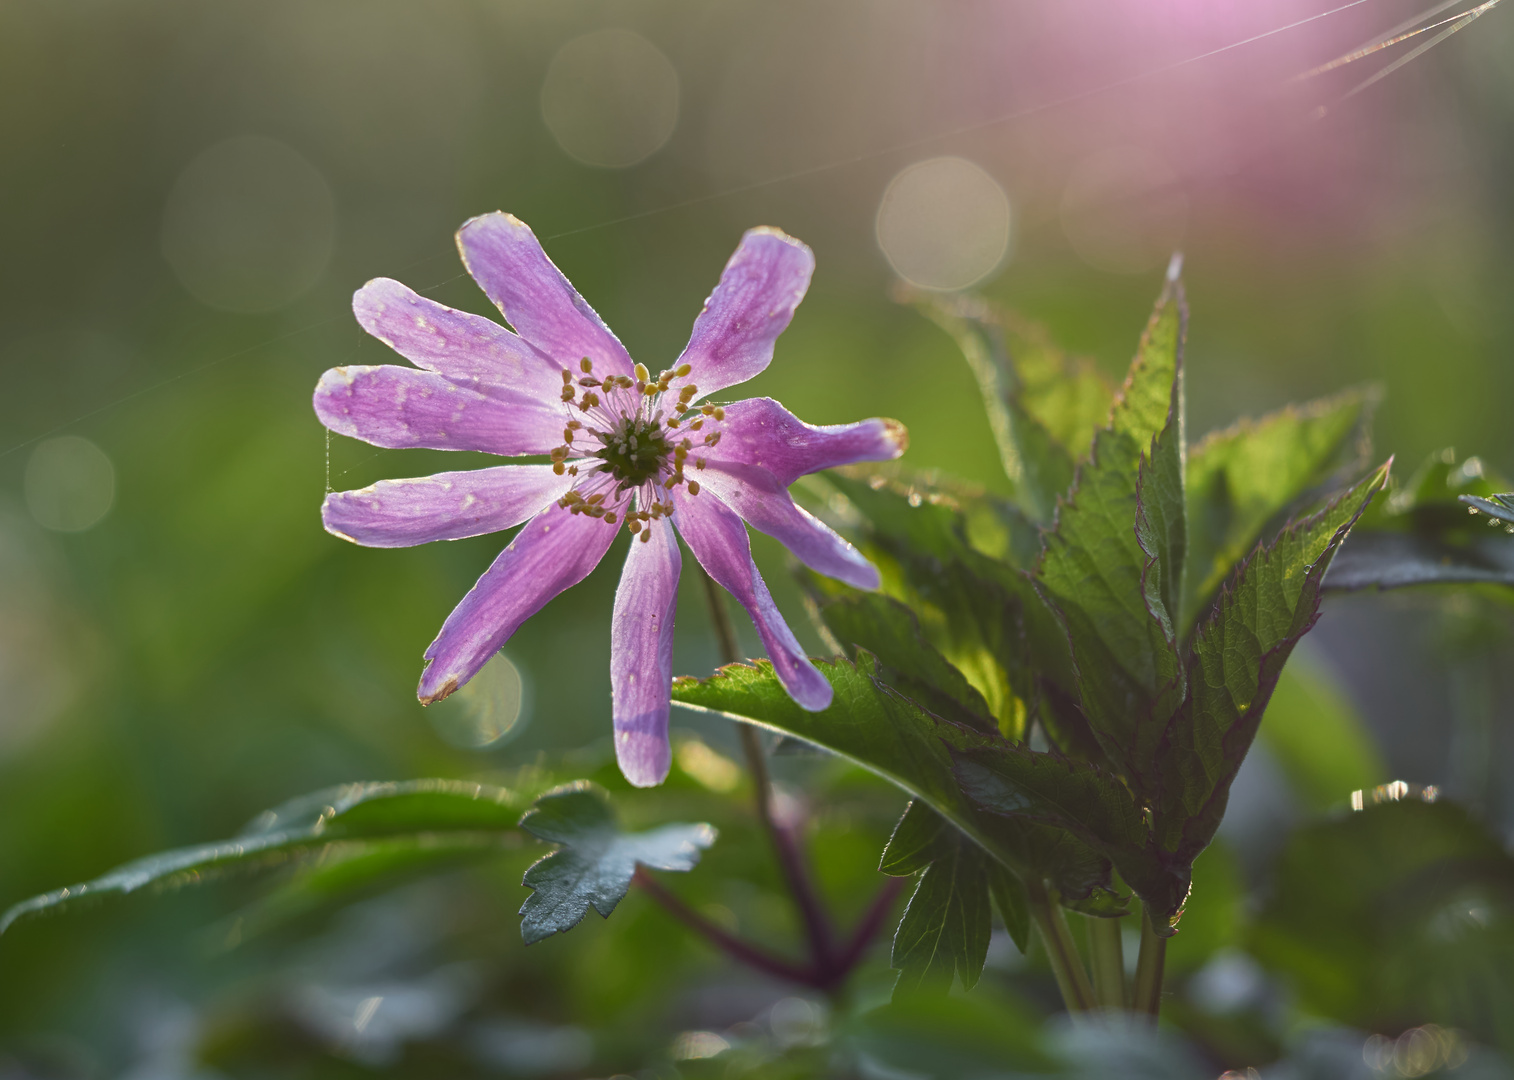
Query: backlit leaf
x,y
1242,477
1238,655
878,728
1112,567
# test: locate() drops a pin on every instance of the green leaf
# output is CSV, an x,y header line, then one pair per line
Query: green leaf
x,y
595,860
1112,568
979,612
1394,915
1042,406
910,663
1431,500
1013,904
879,729
1241,478
946,925
1238,655
1315,735
1022,785
348,870
1390,560
983,1034
303,825
922,837
915,841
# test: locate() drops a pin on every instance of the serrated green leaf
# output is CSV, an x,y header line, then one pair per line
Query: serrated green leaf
x,y
921,840
912,846
911,664
1237,657
946,925
878,728
1079,798
1112,566
1242,477
595,860
979,610
1013,904
312,822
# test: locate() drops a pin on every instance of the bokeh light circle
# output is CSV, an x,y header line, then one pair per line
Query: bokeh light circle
x,y
70,485
1123,210
944,223
249,225
610,98
483,713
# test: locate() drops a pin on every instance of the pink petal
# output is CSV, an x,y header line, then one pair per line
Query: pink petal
x,y
764,504
552,551
758,292
447,506
403,408
454,343
719,541
759,431
641,655
508,263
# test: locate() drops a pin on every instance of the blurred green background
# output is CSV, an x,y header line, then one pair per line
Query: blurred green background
x,y
189,194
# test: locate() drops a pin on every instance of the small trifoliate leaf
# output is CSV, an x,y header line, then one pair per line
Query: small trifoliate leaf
x,y
595,860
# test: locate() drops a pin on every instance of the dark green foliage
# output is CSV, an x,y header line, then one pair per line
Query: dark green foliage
x,y
1088,646
394,823
1395,915
1445,526
946,925
595,860
1237,657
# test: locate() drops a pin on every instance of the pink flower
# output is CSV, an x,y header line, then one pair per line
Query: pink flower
x,y
627,451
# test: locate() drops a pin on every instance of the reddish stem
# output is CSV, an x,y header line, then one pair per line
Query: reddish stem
x,y
736,948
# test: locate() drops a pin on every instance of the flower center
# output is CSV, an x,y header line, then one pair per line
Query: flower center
x,y
636,450
642,452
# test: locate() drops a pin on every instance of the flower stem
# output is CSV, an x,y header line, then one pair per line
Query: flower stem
x,y
1061,950
817,925
1107,952
1147,997
733,946
872,921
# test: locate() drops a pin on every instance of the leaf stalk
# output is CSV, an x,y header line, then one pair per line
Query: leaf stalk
x,y
1061,949
1107,952
1150,962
